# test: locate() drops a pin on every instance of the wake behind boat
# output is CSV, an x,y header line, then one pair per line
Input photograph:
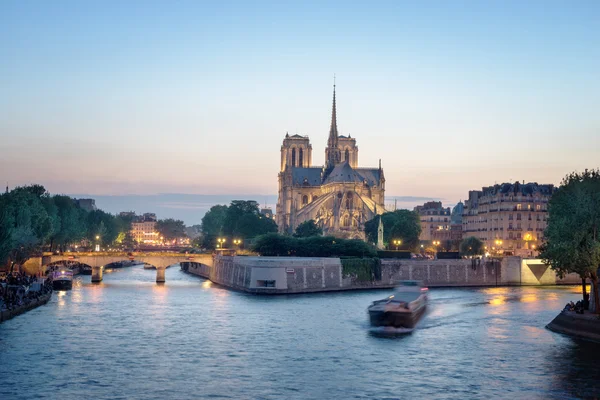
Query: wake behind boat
x,y
403,309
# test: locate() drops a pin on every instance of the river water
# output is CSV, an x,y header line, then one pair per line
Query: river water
x,y
129,338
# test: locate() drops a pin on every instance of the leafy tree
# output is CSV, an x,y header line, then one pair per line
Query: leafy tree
x,y
307,229
170,228
71,225
213,223
5,235
273,244
471,246
400,224
241,219
572,240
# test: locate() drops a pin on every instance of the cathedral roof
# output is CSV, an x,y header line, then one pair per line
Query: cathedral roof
x,y
310,176
344,173
371,175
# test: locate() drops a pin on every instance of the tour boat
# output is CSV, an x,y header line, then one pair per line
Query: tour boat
x,y
62,279
403,309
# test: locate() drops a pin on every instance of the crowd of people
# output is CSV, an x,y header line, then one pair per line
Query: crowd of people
x,y
578,307
16,290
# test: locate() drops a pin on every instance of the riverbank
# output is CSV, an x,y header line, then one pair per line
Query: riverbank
x,y
8,314
288,275
583,326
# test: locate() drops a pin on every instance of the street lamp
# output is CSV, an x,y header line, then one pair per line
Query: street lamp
x,y
237,242
498,244
397,242
221,241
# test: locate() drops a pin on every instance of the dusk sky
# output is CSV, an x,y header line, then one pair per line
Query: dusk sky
x,y
147,97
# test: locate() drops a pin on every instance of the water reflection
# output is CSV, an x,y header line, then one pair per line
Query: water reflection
x,y
570,368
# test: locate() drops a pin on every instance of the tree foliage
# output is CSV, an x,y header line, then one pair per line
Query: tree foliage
x,y
403,225
471,246
273,244
571,240
307,229
240,220
170,228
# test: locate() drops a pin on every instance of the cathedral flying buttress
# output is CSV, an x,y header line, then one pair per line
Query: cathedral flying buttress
x,y
339,196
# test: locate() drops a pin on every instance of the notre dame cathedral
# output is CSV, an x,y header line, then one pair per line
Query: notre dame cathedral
x,y
339,196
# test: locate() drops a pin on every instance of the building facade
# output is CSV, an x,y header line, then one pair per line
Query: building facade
x,y
509,218
435,221
339,196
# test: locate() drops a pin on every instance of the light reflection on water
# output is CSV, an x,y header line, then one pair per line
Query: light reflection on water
x,y
128,337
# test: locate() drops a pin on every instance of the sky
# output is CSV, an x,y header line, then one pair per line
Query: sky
x,y
155,97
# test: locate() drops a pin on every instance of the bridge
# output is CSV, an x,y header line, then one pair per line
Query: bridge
x,y
98,260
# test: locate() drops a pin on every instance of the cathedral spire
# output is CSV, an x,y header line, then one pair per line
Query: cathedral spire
x,y
332,153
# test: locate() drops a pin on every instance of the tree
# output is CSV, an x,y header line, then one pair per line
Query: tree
x,y
572,240
471,246
212,225
71,226
5,236
400,224
273,244
307,229
170,228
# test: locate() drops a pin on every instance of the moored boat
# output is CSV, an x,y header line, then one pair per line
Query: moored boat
x,y
62,279
403,309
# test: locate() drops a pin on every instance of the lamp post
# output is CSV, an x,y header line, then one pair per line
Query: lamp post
x,y
221,242
397,242
498,244
237,242
436,243
97,243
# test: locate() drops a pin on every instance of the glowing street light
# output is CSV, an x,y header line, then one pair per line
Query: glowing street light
x,y
397,242
237,242
221,242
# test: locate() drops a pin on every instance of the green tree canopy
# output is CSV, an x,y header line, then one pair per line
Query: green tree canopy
x,y
307,229
403,225
240,220
471,246
273,244
572,240
170,228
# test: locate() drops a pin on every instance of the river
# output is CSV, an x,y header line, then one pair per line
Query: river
x,y
129,338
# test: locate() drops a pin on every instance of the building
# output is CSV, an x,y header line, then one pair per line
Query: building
x,y
86,204
143,229
435,221
339,196
456,225
267,212
509,218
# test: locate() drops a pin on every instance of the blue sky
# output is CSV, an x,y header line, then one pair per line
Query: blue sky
x,y
146,97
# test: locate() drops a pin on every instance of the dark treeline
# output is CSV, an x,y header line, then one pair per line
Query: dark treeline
x,y
32,221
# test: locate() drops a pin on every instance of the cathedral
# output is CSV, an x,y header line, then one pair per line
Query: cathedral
x,y
339,196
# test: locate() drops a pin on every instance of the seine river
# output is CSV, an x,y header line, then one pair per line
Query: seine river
x,y
129,338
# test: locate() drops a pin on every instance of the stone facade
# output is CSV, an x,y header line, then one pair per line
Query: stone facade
x,y
339,196
509,218
280,275
435,221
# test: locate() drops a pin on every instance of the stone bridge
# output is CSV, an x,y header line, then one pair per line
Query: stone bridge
x,y
97,260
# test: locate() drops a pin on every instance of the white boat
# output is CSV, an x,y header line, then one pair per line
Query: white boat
x,y
403,309
62,279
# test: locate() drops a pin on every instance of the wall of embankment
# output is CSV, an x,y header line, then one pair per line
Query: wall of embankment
x,y
281,275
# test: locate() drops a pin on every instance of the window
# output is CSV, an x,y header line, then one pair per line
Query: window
x,y
347,155
518,217
529,206
538,207
300,157
518,245
349,201
510,226
293,157
518,235
529,217
518,225
510,235
510,217
518,206
304,200
269,284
